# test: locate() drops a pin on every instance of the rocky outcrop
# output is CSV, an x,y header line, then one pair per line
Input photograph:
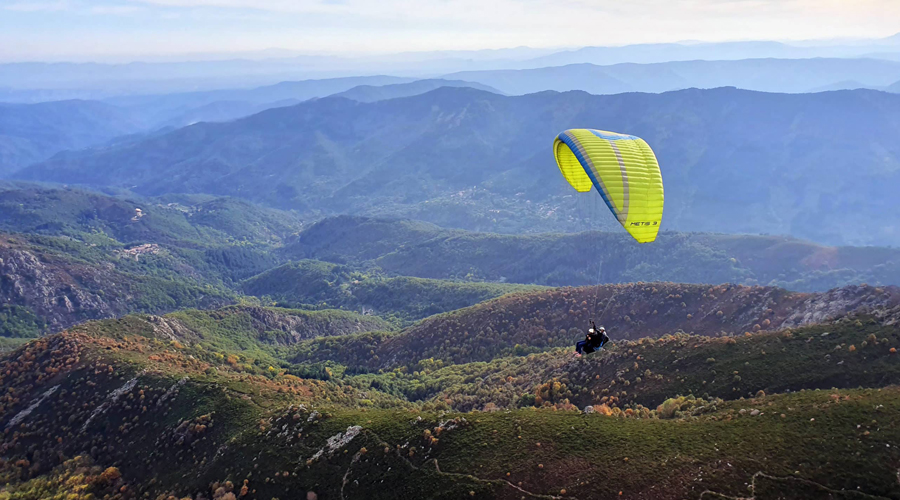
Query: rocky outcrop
x,y
303,325
63,291
170,328
267,325
831,305
61,295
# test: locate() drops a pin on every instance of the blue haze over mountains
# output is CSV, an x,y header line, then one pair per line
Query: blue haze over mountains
x,y
757,137
733,160
34,81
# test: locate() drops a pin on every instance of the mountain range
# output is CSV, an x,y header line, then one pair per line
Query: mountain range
x,y
30,81
33,132
766,75
371,287
815,166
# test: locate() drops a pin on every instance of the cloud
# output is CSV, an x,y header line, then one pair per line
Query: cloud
x,y
117,10
369,26
583,18
36,6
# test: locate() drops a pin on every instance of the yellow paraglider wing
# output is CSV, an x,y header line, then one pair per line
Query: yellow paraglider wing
x,y
571,168
624,171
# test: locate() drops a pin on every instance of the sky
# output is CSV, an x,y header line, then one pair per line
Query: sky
x,y
78,30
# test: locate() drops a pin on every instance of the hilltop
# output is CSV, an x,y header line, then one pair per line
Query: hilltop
x,y
202,403
372,93
535,321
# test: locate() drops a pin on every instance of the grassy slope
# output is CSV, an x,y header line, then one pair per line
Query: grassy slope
x,y
226,423
647,372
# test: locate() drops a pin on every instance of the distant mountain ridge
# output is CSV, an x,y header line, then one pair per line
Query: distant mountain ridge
x,y
476,160
30,81
30,133
716,51
176,109
766,75
34,132
370,93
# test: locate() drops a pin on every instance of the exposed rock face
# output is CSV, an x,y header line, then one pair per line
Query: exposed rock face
x,y
57,294
302,326
64,291
278,326
170,328
828,306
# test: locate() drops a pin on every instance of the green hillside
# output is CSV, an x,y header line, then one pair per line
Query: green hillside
x,y
317,284
177,406
466,158
525,323
199,221
71,255
50,283
416,249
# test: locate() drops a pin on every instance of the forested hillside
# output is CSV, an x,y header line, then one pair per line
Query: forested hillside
x,y
30,133
477,160
536,321
416,249
317,284
52,283
72,255
197,221
206,390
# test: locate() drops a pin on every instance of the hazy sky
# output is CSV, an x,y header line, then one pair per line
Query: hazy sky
x,y
85,29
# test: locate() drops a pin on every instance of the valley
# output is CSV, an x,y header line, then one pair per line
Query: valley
x,y
206,347
505,250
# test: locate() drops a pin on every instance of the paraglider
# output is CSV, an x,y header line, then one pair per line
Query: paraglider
x,y
595,340
624,171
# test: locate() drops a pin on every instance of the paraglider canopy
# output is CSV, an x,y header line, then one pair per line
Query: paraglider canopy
x,y
622,168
